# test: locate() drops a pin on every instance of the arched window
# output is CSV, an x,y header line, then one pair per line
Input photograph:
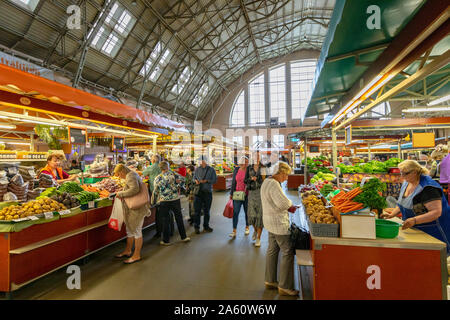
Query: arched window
x,y
277,87
238,113
257,112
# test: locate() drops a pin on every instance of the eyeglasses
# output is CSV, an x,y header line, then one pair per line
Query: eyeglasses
x,y
405,173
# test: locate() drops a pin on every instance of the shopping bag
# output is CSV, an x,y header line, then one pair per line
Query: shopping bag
x,y
228,211
116,218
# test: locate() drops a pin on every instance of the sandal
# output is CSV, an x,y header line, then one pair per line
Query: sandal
x,y
133,261
121,255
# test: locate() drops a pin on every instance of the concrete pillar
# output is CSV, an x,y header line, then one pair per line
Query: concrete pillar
x,y
334,148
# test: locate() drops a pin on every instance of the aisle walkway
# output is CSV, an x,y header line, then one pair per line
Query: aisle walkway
x,y
209,267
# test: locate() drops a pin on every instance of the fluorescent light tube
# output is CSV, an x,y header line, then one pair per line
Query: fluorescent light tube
x,y
425,109
7,126
439,100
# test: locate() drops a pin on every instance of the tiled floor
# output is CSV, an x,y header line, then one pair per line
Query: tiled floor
x,y
209,267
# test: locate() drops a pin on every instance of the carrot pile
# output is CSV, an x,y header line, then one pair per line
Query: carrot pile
x,y
90,188
104,194
343,201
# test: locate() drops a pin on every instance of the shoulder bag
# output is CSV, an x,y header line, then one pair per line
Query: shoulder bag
x,y
140,199
197,187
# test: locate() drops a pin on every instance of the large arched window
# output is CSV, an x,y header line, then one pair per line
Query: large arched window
x,y
257,112
277,80
238,114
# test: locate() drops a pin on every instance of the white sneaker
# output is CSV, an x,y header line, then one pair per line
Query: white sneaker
x,y
287,292
247,231
232,235
254,236
187,239
258,243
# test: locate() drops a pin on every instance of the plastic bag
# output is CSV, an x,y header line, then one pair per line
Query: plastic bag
x,y
228,211
9,196
116,218
17,179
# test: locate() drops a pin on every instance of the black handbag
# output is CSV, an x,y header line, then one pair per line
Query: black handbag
x,y
300,238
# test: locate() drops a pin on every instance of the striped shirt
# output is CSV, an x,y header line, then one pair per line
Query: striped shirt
x,y
274,206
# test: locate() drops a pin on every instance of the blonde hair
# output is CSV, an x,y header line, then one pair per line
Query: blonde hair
x,y
121,168
164,165
413,165
282,167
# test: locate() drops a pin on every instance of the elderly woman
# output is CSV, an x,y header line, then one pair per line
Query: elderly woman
x,y
276,207
133,218
54,169
422,203
166,193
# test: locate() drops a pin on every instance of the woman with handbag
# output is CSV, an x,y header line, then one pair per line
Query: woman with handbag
x,y
239,195
166,193
254,178
134,216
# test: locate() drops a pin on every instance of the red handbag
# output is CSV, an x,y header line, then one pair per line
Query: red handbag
x,y
228,211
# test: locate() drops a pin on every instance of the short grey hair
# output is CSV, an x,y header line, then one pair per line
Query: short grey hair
x,y
157,156
164,165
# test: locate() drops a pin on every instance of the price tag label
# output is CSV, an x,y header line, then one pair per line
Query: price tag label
x,y
91,204
21,219
33,218
64,212
48,215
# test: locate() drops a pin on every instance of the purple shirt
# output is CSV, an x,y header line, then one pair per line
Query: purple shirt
x,y
445,170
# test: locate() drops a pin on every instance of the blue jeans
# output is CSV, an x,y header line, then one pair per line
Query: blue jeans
x,y
202,201
237,204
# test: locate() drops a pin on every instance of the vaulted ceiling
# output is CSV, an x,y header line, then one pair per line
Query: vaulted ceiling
x,y
141,48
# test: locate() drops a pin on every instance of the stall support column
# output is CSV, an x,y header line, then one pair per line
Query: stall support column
x,y
306,162
31,143
399,150
154,144
369,153
334,147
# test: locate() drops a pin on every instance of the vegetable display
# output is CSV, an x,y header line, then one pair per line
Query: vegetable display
x,y
323,177
326,189
30,208
318,164
70,187
86,196
47,193
317,212
344,201
371,166
371,195
66,199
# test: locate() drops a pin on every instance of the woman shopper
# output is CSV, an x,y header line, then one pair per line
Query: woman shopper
x,y
239,195
275,207
254,178
422,203
133,218
166,193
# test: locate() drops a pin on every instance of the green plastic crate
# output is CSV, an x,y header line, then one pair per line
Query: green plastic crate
x,y
93,180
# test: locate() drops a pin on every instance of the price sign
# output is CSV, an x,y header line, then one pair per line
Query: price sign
x,y
33,218
48,215
21,219
91,204
64,212
77,136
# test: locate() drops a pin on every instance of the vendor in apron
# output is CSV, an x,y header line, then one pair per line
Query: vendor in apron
x,y
422,203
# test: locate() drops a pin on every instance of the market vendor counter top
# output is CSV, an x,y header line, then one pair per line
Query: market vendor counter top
x,y
41,248
411,266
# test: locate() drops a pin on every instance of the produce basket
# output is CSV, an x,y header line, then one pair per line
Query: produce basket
x,y
323,229
386,228
94,180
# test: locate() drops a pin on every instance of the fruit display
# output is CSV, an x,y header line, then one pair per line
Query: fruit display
x,y
30,208
119,181
70,187
86,196
68,200
317,212
110,184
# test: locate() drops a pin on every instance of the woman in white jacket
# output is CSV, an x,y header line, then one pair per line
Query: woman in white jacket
x,y
275,206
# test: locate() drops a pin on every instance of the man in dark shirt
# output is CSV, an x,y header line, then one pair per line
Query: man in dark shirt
x,y
205,176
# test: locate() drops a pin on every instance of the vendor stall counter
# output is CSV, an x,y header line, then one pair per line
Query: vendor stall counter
x,y
223,182
35,251
411,266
